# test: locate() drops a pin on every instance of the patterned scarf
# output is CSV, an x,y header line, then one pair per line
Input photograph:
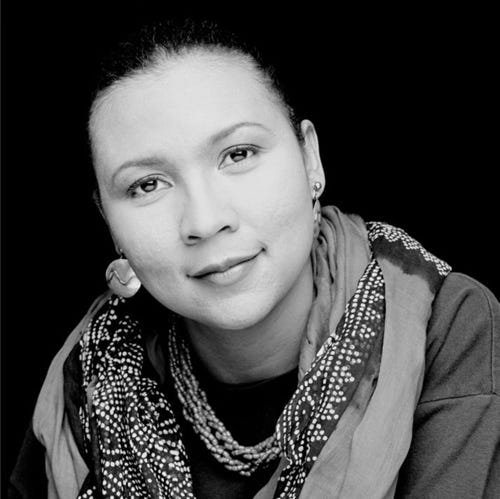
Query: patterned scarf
x,y
130,425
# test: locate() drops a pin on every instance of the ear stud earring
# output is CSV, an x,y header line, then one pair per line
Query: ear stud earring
x,y
316,188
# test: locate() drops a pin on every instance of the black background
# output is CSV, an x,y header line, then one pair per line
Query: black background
x,y
401,99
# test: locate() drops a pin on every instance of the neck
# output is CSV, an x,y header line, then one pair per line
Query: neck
x,y
266,349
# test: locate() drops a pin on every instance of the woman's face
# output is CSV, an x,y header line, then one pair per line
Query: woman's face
x,y
198,166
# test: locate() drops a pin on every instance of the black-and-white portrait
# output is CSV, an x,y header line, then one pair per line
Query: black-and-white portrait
x,y
248,252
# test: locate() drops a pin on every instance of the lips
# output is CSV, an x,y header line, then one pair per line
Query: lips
x,y
224,265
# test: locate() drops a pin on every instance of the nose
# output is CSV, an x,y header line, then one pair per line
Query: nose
x,y
207,211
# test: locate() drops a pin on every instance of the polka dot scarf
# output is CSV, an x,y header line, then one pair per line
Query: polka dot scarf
x,y
130,426
139,446
328,387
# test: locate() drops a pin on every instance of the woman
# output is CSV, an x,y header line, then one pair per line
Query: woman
x,y
253,344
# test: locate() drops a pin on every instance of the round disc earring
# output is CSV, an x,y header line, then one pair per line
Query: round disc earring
x,y
121,278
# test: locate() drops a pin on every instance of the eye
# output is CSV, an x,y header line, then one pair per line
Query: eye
x,y
145,186
238,154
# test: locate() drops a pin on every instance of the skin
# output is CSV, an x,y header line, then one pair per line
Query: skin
x,y
211,200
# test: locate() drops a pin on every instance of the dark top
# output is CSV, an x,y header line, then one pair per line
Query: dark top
x,y
455,450
249,411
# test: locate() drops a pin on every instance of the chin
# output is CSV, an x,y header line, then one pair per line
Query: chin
x,y
237,317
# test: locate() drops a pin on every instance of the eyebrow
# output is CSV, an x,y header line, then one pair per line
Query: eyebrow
x,y
217,137
231,129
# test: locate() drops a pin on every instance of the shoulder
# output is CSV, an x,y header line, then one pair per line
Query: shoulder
x,y
456,429
463,341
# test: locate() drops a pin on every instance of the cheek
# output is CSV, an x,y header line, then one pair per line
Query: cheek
x,y
147,236
278,197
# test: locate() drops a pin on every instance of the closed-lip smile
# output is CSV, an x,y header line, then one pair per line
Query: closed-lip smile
x,y
224,265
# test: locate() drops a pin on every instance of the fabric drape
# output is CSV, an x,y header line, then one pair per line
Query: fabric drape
x,y
374,287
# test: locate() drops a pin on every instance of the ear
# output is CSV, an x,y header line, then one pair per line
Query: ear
x,y
312,159
97,201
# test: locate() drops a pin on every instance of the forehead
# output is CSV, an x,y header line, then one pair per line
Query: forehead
x,y
180,105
